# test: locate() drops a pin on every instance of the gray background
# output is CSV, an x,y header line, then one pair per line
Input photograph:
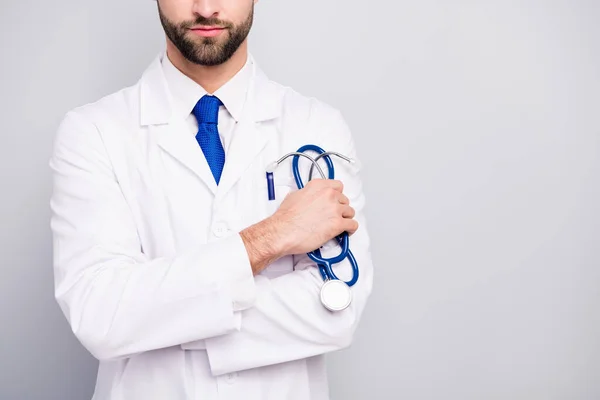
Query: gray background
x,y
479,128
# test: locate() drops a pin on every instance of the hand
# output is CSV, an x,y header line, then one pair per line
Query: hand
x,y
305,220
308,218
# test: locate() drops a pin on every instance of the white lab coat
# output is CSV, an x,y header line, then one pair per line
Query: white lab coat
x,y
150,270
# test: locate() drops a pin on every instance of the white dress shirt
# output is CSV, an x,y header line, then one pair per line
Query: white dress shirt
x,y
186,93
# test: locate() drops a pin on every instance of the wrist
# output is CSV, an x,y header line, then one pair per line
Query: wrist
x,y
263,244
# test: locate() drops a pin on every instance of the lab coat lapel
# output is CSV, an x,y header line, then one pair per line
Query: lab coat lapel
x,y
170,132
175,139
247,142
263,104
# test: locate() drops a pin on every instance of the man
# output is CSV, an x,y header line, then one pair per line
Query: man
x,y
172,265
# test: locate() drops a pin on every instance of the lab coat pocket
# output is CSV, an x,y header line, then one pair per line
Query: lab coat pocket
x,y
281,191
282,266
283,186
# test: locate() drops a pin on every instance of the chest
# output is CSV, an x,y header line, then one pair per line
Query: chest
x,y
174,199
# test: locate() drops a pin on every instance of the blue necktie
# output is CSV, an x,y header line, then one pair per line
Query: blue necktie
x,y
206,112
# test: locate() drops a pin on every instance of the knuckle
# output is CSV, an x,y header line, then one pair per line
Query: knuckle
x,y
332,194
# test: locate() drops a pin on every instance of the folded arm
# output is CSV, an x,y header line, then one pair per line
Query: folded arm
x,y
287,321
118,301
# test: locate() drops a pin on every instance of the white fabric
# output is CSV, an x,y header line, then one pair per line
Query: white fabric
x,y
185,93
150,270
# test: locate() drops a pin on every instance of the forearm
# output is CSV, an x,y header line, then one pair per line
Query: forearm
x,y
263,244
118,299
288,321
119,304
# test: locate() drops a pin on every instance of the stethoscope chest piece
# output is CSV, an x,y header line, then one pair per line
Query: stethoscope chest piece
x,y
335,295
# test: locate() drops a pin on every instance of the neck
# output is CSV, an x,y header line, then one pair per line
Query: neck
x,y
210,78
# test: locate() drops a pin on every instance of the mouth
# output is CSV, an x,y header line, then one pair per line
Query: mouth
x,y
207,31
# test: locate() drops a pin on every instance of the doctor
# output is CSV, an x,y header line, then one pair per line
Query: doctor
x,y
171,265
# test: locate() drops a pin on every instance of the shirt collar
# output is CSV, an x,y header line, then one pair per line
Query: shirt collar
x,y
186,92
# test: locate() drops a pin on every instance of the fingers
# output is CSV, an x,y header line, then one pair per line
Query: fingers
x,y
343,199
332,189
334,184
350,226
348,223
347,211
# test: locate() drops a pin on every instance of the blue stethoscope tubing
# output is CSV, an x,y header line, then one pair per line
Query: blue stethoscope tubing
x,y
325,264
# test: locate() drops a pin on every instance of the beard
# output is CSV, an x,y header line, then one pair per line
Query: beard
x,y
207,51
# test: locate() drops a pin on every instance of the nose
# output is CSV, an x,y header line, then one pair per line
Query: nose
x,y
206,8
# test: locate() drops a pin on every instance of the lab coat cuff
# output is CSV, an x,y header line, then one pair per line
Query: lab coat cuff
x,y
237,285
239,282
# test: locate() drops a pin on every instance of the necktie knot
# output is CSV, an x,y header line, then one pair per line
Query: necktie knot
x,y
206,110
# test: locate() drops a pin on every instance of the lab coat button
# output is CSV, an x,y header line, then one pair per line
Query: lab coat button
x,y
231,377
220,230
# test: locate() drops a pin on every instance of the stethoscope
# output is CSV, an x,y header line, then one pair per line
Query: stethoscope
x,y
335,293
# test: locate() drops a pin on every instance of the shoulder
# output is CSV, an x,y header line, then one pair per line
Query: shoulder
x,y
114,110
323,121
82,129
120,106
310,114
301,105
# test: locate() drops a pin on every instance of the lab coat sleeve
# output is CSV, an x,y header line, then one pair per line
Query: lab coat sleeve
x,y
288,321
117,300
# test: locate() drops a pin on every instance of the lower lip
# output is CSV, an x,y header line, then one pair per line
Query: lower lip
x,y
207,32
